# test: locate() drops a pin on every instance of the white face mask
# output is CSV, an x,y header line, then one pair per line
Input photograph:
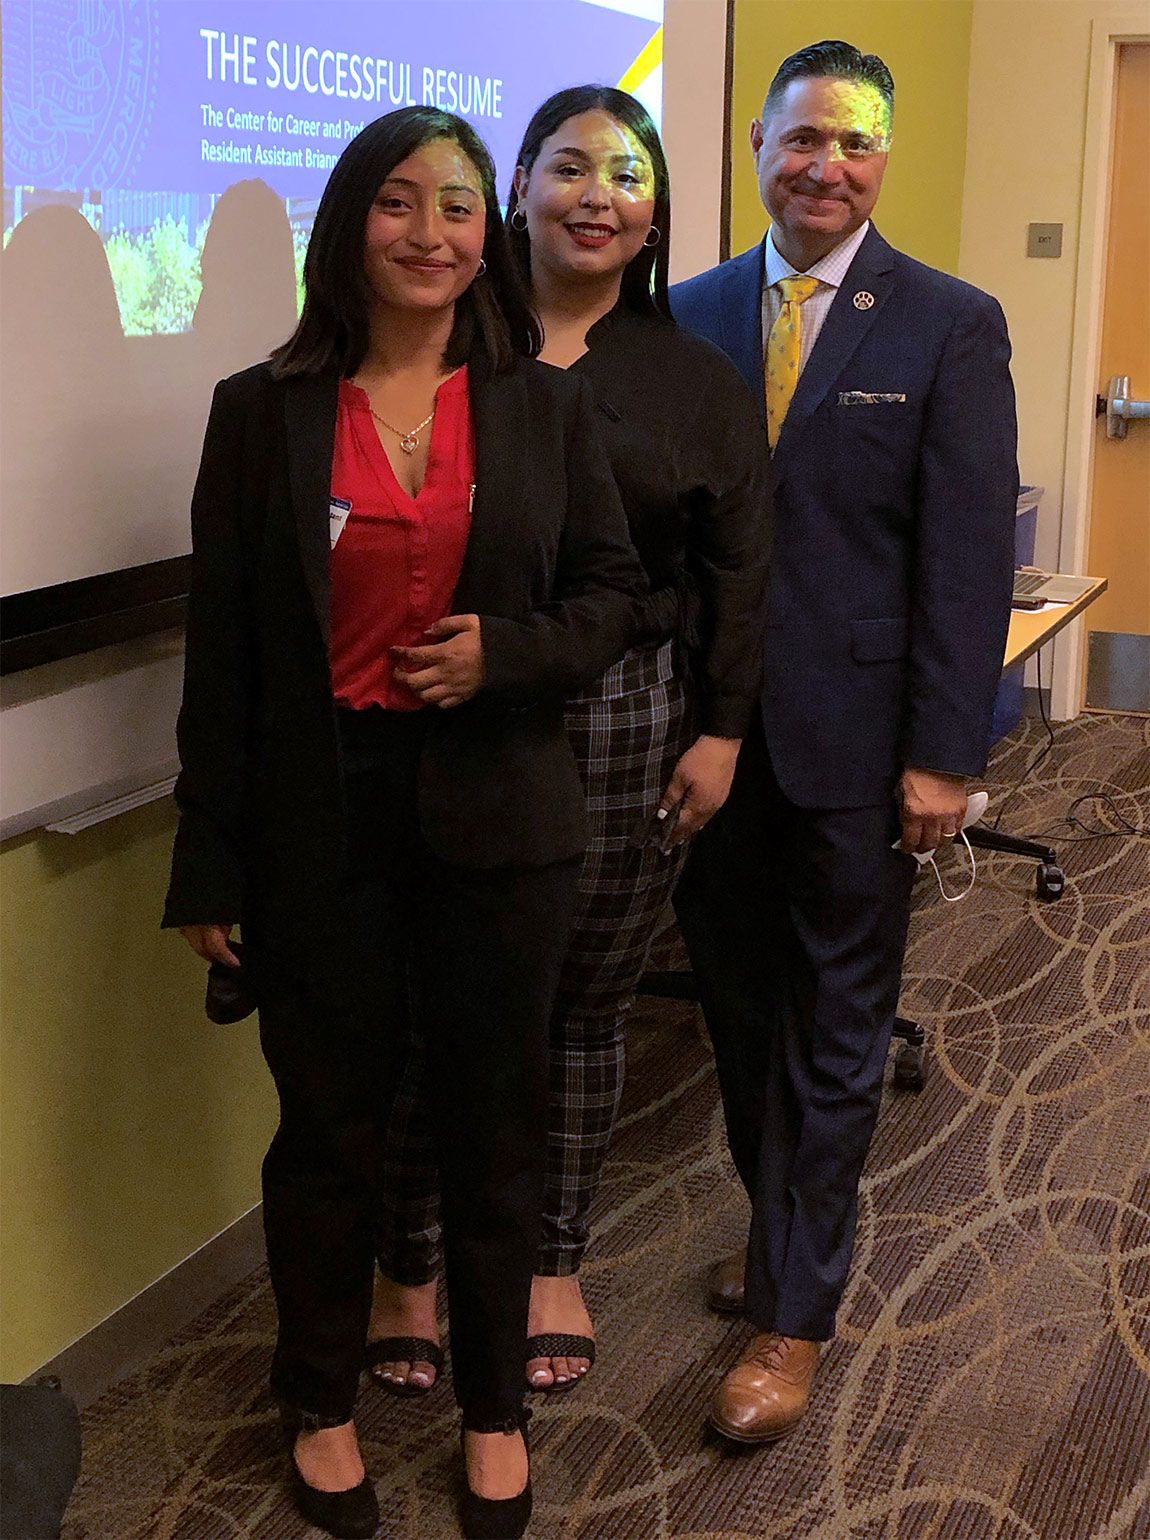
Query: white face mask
x,y
975,807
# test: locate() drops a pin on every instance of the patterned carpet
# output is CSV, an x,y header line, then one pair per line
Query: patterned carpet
x,y
991,1379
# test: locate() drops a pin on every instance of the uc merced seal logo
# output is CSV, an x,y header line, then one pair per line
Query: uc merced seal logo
x,y
79,79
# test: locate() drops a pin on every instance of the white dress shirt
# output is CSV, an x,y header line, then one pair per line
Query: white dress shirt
x,y
830,272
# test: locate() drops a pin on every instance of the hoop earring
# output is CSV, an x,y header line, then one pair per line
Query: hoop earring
x,y
515,215
655,231
481,269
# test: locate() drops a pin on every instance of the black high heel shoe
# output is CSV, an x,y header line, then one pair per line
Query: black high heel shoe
x,y
349,1515
496,1518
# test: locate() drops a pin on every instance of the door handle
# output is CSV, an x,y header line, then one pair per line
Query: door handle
x,y
1120,407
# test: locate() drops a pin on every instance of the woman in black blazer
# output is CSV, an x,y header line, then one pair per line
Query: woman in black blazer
x,y
399,838
655,739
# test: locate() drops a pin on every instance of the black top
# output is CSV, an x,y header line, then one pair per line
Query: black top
x,y
689,455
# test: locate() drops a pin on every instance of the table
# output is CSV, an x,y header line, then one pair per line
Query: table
x,y
1032,629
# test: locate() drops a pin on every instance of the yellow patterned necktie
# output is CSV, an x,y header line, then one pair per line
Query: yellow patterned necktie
x,y
784,351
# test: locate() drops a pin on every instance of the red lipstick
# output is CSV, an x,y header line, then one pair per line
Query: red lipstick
x,y
591,236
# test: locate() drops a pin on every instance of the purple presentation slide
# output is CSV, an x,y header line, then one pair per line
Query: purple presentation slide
x,y
141,113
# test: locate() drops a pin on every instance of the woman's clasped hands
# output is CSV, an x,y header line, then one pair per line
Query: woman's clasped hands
x,y
444,672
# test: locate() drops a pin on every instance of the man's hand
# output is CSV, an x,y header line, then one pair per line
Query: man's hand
x,y
444,673
701,782
932,806
211,943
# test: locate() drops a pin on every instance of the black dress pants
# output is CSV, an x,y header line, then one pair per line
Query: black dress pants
x,y
795,920
472,957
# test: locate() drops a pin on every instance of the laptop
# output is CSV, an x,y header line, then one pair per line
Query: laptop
x,y
1053,587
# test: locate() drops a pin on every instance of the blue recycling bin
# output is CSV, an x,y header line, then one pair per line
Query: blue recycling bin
x,y
1008,701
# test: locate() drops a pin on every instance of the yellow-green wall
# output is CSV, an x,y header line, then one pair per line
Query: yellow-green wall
x,y
926,43
131,1129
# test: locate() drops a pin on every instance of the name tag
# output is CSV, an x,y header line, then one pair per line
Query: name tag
x,y
337,511
870,397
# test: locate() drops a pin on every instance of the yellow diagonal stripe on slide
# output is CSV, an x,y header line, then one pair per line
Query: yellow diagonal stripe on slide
x,y
650,59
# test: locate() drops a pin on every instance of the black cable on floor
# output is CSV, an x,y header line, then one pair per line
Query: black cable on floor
x,y
1125,830
1070,820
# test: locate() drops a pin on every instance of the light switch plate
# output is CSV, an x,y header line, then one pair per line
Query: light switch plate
x,y
1044,240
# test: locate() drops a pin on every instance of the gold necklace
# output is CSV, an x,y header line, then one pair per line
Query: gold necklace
x,y
408,442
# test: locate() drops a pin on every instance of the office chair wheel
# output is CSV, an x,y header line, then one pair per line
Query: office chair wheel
x,y
910,1067
1050,882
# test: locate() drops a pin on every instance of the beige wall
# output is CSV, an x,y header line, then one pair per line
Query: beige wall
x,y
694,77
131,1129
1029,62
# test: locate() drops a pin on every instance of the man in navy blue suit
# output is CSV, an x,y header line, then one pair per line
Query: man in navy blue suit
x,y
888,403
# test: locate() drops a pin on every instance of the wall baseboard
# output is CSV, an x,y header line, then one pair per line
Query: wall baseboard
x,y
1034,701
129,1336
1118,671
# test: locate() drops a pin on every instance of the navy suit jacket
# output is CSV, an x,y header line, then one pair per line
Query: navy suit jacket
x,y
894,547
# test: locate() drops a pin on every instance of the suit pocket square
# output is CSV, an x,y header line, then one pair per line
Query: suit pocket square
x,y
871,397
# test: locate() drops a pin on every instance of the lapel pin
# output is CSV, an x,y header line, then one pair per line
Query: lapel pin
x,y
863,300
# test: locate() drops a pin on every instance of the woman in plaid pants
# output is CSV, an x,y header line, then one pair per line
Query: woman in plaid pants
x,y
656,739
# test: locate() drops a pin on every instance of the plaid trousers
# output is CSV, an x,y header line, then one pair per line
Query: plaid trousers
x,y
627,734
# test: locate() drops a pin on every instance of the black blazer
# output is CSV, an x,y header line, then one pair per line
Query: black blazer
x,y
692,467
548,568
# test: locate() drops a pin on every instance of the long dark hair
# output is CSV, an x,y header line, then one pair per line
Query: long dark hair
x,y
644,286
333,328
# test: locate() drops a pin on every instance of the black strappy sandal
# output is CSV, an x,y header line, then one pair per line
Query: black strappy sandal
x,y
560,1344
410,1350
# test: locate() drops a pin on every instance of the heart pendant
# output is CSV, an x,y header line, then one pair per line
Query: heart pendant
x,y
409,443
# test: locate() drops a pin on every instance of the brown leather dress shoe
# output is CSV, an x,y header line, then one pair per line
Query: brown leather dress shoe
x,y
726,1284
766,1394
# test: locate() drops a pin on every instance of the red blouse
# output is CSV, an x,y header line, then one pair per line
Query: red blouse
x,y
395,559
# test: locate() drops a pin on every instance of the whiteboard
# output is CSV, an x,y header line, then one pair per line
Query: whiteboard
x,y
86,730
